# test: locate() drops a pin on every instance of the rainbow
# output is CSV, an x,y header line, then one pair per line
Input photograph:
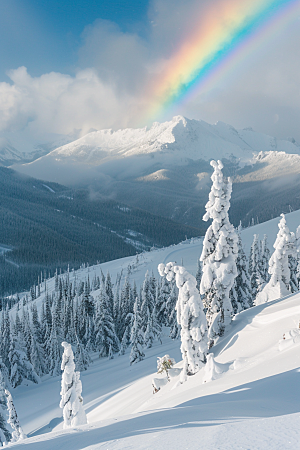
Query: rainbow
x,y
227,33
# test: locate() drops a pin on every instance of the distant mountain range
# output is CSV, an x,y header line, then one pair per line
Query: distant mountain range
x,y
165,169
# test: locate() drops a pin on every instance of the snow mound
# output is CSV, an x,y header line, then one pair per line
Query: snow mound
x,y
290,338
214,370
270,293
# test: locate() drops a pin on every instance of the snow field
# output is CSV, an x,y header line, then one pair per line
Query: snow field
x,y
252,406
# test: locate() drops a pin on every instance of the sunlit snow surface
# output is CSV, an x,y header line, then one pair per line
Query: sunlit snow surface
x,y
253,405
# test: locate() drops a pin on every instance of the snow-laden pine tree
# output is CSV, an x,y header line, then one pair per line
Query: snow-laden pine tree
x,y
82,358
19,365
240,294
218,256
13,420
147,301
5,435
137,354
199,274
149,335
161,297
191,318
293,263
279,284
125,340
104,326
256,280
71,388
264,260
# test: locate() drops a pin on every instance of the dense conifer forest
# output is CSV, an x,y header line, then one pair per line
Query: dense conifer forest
x,y
48,226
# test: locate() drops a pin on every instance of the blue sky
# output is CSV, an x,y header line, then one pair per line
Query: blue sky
x,y
44,35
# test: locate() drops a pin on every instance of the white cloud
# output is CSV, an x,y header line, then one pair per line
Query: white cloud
x,y
116,69
58,103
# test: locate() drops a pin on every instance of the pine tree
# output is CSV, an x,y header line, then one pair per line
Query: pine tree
x,y
137,342
147,302
82,358
171,311
5,435
71,388
293,284
279,283
240,294
109,293
256,282
162,295
17,434
218,255
54,351
88,301
199,274
125,341
104,326
191,317
19,365
149,335
264,260
6,337
284,246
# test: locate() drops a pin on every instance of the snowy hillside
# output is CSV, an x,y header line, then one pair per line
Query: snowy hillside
x,y
252,404
187,252
250,384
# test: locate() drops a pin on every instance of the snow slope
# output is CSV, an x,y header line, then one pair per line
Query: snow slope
x,y
254,404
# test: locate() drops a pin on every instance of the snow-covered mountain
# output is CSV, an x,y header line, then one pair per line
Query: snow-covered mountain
x,y
8,153
173,142
165,169
250,402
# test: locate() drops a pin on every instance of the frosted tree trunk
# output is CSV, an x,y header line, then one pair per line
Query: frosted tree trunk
x,y
218,256
284,246
191,318
17,434
71,388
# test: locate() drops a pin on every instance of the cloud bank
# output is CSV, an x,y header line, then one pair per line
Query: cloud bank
x,y
115,70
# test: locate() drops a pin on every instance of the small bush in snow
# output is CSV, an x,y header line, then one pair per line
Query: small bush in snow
x,y
164,364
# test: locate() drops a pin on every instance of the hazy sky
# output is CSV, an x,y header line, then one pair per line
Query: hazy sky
x,y
81,65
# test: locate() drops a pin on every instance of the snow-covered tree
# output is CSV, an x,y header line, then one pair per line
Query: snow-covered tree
x,y
279,284
171,312
293,264
190,316
137,341
256,280
147,301
71,388
82,358
199,274
264,260
218,255
149,335
17,434
104,326
5,435
240,294
20,367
